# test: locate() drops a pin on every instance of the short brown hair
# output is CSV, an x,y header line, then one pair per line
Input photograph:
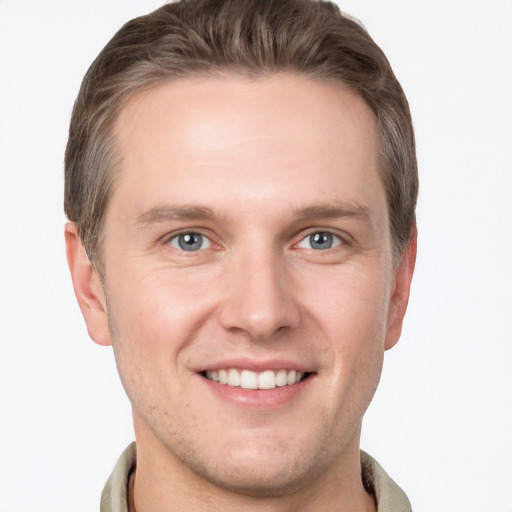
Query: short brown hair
x,y
251,37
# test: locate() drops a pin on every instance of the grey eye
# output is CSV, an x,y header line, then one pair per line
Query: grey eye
x,y
190,242
320,241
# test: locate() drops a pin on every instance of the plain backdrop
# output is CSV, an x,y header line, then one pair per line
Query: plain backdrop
x,y
441,420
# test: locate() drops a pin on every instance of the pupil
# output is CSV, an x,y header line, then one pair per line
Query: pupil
x,y
190,241
321,241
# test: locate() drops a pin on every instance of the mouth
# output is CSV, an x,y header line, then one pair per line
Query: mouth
x,y
248,379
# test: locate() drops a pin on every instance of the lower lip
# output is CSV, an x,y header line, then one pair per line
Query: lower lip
x,y
258,398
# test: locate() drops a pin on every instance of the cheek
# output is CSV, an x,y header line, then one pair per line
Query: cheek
x,y
353,318
158,305
152,320
352,305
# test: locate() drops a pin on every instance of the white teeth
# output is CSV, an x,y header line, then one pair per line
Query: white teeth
x,y
248,379
281,378
267,380
233,377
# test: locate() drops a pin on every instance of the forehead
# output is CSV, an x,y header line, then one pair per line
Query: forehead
x,y
203,139
287,105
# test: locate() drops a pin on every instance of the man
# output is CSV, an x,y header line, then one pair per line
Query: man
x,y
241,185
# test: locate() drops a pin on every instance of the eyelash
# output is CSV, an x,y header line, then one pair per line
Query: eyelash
x,y
176,239
336,239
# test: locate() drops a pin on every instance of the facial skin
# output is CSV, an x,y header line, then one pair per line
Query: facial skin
x,y
273,184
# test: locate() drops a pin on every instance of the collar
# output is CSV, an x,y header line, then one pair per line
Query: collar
x,y
388,495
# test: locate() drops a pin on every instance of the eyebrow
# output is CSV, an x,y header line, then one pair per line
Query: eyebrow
x,y
170,213
193,212
335,211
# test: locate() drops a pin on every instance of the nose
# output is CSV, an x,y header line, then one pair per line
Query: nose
x,y
259,298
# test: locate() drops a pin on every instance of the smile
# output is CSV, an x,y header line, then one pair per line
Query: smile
x,y
247,379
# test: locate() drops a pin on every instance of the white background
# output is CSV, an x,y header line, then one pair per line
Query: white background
x,y
441,421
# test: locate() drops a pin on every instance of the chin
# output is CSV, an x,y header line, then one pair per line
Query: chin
x,y
260,469
259,479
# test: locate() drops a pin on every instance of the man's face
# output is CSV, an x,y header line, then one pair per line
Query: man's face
x,y
248,240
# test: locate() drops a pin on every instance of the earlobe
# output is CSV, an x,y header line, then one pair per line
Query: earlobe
x,y
399,299
88,287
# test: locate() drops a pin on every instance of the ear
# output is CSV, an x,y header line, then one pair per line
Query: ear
x,y
88,287
402,277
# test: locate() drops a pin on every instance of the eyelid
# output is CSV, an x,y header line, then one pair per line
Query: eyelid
x,y
204,240
344,237
169,237
337,241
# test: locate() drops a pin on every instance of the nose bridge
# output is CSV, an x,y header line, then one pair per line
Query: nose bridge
x,y
259,297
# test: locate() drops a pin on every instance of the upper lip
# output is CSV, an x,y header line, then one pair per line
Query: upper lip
x,y
255,366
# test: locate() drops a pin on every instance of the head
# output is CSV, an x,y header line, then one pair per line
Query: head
x,y
208,37
241,184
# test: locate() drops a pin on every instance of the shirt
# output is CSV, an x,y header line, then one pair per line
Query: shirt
x,y
388,496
